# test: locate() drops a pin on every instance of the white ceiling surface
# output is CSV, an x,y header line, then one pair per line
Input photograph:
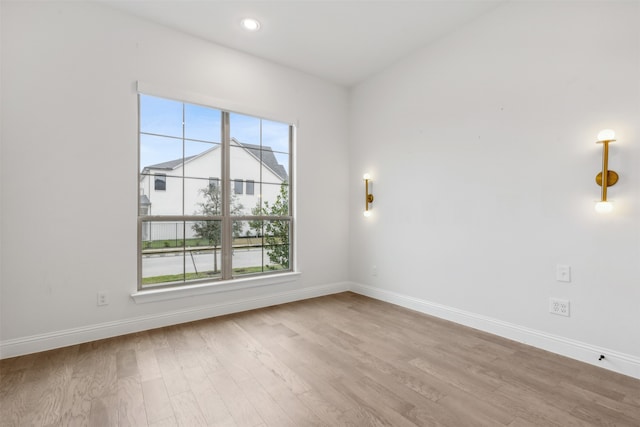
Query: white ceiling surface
x,y
340,41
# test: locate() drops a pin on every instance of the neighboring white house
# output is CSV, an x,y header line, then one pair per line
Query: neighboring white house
x,y
255,172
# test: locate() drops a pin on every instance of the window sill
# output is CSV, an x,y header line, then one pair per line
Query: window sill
x,y
154,295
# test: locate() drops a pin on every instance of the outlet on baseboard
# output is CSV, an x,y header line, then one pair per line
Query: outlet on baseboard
x,y
559,306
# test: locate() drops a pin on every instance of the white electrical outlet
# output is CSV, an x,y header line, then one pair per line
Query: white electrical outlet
x,y
559,306
374,271
103,298
563,273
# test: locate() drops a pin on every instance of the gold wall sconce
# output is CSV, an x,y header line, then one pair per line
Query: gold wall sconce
x,y
368,197
607,177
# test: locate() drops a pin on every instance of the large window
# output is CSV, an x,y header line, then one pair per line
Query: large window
x,y
193,227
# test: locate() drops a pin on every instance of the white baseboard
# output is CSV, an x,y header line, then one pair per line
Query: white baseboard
x,y
615,361
48,341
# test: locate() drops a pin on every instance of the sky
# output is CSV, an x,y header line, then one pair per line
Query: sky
x,y
202,126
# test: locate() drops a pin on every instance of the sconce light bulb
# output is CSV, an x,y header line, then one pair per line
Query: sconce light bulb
x,y
367,213
604,207
606,135
366,176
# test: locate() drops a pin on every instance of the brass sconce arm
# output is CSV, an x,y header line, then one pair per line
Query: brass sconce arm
x,y
368,197
606,178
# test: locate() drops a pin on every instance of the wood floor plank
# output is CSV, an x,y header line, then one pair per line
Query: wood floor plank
x,y
156,400
268,361
286,399
166,422
597,414
19,408
241,409
126,363
49,394
172,373
209,400
148,367
104,373
76,404
187,411
269,410
104,411
339,360
131,407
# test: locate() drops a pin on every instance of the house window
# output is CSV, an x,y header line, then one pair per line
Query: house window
x,y
249,187
202,228
237,186
160,182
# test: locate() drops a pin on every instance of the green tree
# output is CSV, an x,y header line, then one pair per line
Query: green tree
x,y
276,232
211,230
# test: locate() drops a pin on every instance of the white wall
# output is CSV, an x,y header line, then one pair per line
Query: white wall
x,y
69,110
481,147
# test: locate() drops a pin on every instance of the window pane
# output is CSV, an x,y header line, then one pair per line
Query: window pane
x,y
160,116
161,154
275,167
264,246
275,199
203,263
277,238
238,186
161,202
277,258
245,129
242,204
248,248
244,163
162,252
249,186
275,136
203,250
208,233
202,123
202,159
200,198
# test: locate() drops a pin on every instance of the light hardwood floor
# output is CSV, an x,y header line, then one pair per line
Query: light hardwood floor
x,y
338,360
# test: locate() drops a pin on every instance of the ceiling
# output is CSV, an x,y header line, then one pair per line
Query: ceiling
x,y
340,41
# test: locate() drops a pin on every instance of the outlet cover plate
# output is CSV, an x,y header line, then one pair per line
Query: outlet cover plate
x,y
103,298
563,273
559,306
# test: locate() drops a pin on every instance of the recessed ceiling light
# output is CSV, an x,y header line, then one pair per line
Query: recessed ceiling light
x,y
250,24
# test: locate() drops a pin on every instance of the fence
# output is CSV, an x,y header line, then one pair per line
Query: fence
x,y
167,231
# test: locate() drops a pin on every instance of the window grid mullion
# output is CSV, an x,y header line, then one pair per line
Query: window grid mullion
x,y
227,225
184,231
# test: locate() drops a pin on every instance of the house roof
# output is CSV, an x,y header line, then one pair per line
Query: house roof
x,y
268,158
257,151
171,164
